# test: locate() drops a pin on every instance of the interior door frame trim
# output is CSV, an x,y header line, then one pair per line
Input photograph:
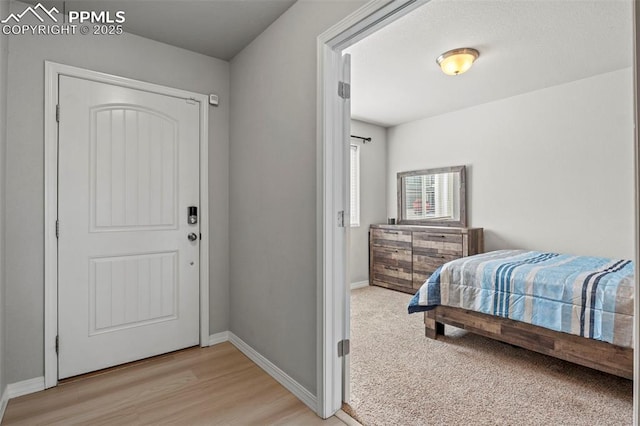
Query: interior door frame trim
x,y
52,72
331,239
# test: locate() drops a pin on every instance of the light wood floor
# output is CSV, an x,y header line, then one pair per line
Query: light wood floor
x,y
197,386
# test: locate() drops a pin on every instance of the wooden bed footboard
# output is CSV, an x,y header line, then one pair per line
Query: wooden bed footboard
x,y
591,353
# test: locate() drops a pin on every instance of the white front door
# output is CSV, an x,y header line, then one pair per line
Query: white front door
x,y
128,274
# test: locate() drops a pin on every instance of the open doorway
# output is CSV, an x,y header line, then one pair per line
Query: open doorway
x,y
455,136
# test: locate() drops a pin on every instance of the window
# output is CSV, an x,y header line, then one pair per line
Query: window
x,y
355,186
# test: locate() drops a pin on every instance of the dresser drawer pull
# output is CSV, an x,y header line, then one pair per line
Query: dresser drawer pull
x,y
392,232
390,268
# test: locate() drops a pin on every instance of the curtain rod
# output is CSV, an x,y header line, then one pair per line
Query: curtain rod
x,y
364,140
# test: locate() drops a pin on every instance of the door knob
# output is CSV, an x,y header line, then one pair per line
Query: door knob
x,y
192,237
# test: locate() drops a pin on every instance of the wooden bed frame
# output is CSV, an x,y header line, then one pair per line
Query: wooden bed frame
x,y
591,353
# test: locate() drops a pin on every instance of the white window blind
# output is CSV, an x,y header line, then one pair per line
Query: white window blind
x,y
355,186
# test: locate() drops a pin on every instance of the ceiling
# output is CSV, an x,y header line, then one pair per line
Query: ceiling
x,y
217,28
524,45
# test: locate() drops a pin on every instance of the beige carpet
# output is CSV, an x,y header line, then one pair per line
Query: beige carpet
x,y
399,377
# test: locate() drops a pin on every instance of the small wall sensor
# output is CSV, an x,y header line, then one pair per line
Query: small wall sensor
x,y
213,100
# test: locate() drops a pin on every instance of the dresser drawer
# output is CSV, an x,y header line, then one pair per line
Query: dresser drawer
x,y
425,265
392,267
389,256
432,250
391,238
427,243
391,278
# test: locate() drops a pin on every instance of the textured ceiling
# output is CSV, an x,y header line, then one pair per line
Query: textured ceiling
x,y
524,46
218,28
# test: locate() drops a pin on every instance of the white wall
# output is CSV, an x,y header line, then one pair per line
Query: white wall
x,y
4,54
125,55
547,170
373,194
273,208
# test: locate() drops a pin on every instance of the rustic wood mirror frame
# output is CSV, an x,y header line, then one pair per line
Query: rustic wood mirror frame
x,y
462,205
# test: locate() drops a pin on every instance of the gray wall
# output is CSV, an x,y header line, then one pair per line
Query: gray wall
x,y
273,188
125,55
547,170
373,194
4,53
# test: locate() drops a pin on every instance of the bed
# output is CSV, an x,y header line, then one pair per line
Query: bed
x,y
576,308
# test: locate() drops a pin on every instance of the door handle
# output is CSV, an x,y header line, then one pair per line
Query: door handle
x,y
192,236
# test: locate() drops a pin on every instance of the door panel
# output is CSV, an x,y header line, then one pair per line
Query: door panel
x,y
132,291
128,282
144,169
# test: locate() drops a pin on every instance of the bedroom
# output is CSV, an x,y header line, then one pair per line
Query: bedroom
x,y
546,134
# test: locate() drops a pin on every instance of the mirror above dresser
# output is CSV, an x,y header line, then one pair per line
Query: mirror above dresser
x,y
435,197
430,231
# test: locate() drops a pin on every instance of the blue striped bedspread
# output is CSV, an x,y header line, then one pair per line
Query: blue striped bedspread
x,y
586,296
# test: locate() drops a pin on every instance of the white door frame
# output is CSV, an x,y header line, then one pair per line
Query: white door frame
x,y
52,72
636,186
331,268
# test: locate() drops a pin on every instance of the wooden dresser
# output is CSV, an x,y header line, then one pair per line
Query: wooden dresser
x,y
403,257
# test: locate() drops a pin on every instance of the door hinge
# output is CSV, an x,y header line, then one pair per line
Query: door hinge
x,y
57,344
58,113
341,219
57,228
343,347
344,90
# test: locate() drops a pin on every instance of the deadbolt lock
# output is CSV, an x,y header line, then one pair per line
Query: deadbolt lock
x,y
192,217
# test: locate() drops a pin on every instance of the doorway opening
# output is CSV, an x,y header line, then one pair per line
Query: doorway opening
x,y
331,238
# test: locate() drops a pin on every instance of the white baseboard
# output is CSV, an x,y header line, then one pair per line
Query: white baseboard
x,y
3,403
25,387
221,337
15,390
280,376
283,378
359,284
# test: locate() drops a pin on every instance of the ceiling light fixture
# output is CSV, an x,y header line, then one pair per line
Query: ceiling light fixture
x,y
457,61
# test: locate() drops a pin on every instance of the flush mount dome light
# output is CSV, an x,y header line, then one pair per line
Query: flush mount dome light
x,y
457,61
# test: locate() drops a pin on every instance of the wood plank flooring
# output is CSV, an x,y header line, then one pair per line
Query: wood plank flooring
x,y
198,386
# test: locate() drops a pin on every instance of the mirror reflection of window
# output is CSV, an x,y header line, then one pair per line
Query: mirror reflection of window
x,y
431,196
